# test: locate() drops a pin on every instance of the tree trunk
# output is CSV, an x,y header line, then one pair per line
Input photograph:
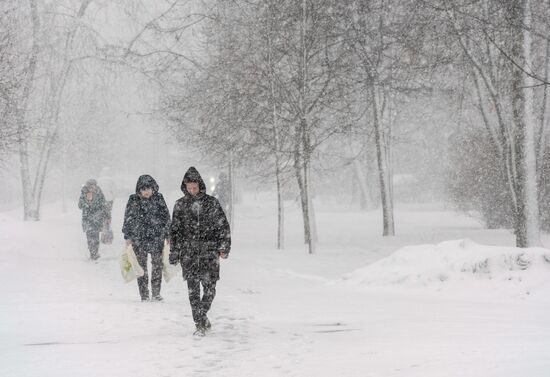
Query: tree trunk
x,y
280,211
280,202
301,151
275,124
310,207
527,224
383,172
300,168
22,127
541,137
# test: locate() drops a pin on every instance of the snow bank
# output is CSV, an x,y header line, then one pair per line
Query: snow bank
x,y
461,264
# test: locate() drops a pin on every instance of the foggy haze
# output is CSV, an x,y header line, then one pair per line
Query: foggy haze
x,y
379,172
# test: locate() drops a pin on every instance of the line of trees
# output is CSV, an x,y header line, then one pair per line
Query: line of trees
x,y
279,79
273,87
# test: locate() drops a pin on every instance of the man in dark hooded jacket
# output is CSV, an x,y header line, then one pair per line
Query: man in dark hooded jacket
x,y
93,206
199,236
146,226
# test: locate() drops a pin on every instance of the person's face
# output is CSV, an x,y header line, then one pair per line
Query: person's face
x,y
146,192
192,188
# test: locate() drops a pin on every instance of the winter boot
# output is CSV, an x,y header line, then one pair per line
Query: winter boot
x,y
157,297
200,331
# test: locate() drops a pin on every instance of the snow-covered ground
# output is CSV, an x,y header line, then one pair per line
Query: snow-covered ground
x,y
433,301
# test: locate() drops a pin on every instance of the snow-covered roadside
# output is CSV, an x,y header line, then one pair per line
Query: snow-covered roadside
x,y
461,267
277,312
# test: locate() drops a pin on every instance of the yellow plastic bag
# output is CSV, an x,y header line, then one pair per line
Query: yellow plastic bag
x,y
168,270
129,266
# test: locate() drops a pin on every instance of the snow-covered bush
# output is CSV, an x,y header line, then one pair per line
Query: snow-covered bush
x,y
477,180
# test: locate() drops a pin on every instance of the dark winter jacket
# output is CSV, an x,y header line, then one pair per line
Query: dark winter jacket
x,y
146,221
199,231
94,213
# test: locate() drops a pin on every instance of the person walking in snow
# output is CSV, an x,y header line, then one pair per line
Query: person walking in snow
x,y
200,236
146,227
222,191
92,204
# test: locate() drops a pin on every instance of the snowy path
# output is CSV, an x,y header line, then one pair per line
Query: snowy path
x,y
276,313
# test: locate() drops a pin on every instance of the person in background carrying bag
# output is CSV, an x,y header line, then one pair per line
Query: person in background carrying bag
x,y
146,226
92,204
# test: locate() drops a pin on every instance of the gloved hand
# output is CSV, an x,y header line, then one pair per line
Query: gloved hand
x,y
173,258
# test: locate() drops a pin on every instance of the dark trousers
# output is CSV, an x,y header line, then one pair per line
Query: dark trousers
x,y
156,274
200,307
93,242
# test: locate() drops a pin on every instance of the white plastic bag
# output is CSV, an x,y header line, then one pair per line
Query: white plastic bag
x,y
129,266
126,269
168,270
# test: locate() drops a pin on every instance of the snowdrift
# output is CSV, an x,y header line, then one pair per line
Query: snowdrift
x,y
461,264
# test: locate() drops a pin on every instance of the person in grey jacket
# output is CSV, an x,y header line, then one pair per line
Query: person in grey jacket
x,y
92,204
146,227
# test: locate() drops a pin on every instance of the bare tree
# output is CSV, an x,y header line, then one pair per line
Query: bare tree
x,y
381,36
496,40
